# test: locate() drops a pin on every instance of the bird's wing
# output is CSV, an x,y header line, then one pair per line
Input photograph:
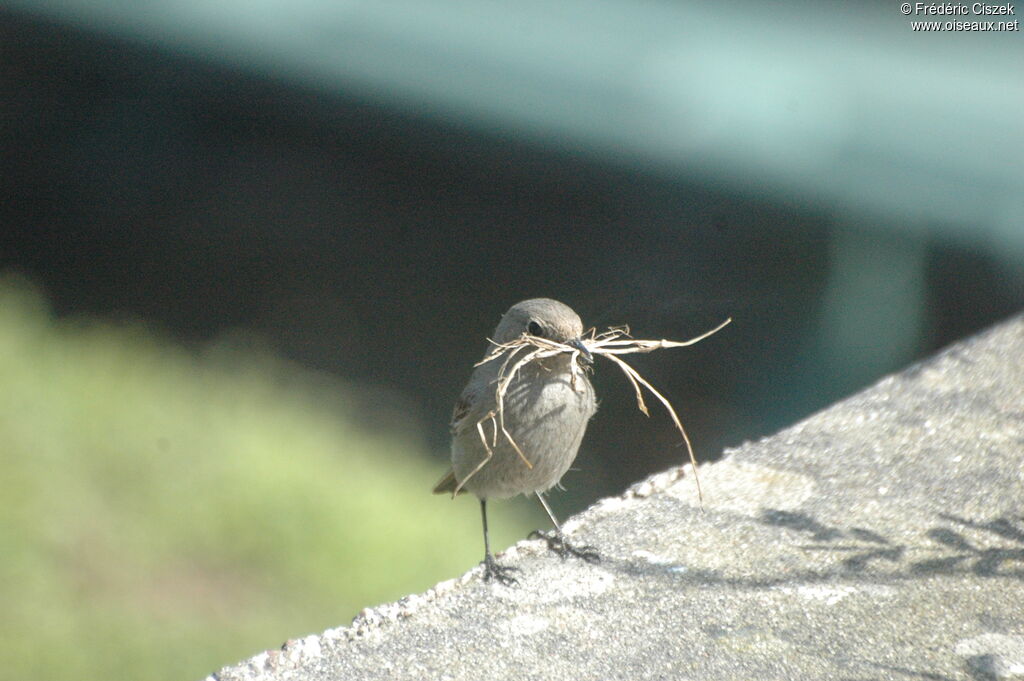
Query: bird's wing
x,y
466,412
471,407
464,416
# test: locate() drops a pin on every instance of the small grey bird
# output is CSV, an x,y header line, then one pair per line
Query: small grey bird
x,y
546,410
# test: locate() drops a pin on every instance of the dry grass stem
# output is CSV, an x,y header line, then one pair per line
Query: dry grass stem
x,y
611,343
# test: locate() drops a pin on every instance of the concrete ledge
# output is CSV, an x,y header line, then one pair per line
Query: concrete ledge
x,y
881,538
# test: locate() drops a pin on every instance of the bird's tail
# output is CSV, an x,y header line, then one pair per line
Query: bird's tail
x,y
447,484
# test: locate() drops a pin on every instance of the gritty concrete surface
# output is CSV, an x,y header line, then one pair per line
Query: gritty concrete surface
x,y
882,538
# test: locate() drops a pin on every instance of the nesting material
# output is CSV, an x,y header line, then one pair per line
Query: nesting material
x,y
610,344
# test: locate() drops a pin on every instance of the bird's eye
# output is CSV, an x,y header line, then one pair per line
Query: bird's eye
x,y
533,328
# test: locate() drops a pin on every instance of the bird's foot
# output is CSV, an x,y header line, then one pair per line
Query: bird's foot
x,y
501,573
557,543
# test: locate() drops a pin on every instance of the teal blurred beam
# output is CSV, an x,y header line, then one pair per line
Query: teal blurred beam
x,y
838,107
873,313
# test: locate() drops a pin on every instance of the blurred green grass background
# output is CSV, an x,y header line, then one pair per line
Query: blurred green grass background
x,y
168,511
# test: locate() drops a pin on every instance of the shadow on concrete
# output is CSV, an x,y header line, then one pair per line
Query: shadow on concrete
x,y
953,545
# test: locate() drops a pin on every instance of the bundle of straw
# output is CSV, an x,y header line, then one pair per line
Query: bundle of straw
x,y
610,344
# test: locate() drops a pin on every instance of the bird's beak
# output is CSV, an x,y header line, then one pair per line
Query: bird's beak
x,y
579,345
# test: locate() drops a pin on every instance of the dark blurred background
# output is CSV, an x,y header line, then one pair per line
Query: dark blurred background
x,y
362,189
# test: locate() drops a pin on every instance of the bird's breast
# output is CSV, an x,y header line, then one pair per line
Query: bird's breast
x,y
545,414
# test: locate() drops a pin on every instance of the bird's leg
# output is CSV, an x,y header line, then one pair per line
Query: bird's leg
x,y
556,540
502,573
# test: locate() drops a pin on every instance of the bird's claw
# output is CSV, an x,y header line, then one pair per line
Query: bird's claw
x,y
501,573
